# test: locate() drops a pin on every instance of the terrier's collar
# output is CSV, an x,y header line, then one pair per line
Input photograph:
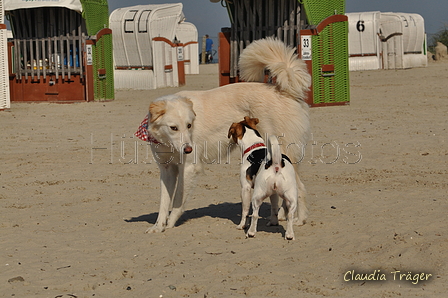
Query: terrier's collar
x,y
253,147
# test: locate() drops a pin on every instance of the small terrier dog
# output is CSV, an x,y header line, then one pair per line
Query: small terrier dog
x,y
268,172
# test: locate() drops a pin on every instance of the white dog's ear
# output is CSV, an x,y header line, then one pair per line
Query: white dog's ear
x,y
156,110
190,104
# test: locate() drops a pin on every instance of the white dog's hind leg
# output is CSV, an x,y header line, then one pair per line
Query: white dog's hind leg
x,y
245,203
290,199
301,213
257,200
302,209
168,178
273,220
282,212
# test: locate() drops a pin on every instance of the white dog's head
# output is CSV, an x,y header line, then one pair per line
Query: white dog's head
x,y
171,122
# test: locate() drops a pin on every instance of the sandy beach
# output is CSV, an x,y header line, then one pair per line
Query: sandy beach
x,y
78,191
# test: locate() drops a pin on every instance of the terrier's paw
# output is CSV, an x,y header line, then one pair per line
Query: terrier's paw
x,y
290,237
250,235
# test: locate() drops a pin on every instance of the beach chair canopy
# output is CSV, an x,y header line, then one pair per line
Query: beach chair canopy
x,y
70,4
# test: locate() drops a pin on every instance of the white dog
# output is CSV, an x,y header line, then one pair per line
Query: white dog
x,y
265,170
190,127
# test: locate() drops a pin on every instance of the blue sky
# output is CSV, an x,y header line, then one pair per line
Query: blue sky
x,y
210,17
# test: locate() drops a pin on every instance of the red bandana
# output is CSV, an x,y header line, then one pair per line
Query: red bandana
x,y
143,134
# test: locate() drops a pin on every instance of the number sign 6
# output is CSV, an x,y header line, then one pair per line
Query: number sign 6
x,y
360,26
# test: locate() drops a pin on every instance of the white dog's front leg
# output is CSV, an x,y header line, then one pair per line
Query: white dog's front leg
x,y
168,178
180,196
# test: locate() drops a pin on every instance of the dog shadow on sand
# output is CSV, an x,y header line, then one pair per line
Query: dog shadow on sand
x,y
228,211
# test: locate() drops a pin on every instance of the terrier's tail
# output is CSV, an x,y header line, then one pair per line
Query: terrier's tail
x,y
272,54
276,155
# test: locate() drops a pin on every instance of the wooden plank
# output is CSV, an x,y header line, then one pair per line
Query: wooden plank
x,y
25,58
56,58
81,51
234,38
291,25
24,62
40,27
234,57
279,17
59,23
34,21
52,45
32,57
37,57
238,37
295,28
68,55
73,23
17,61
265,19
261,17
16,28
257,34
53,22
271,18
49,54
74,39
288,23
29,33
252,23
239,51
44,58
248,21
61,47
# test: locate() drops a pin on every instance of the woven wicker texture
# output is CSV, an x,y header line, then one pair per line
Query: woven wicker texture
x,y
96,14
102,53
318,10
330,47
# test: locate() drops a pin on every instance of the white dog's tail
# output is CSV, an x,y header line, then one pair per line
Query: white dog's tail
x,y
291,73
276,155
